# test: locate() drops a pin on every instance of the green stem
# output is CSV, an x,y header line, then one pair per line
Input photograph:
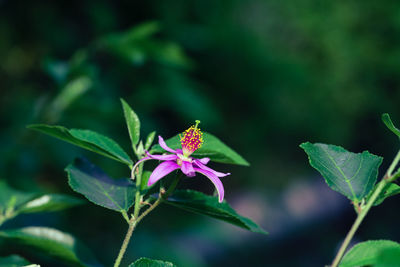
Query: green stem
x,y
125,215
137,195
358,221
393,165
388,178
136,219
163,195
132,225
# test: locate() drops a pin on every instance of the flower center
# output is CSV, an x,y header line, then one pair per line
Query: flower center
x,y
182,158
191,140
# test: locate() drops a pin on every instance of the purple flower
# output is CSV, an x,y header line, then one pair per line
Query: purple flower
x,y
191,140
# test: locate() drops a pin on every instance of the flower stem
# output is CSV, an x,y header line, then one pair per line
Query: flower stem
x,y
391,168
357,222
132,225
364,210
136,219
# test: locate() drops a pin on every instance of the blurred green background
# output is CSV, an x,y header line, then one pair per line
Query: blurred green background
x,y
263,76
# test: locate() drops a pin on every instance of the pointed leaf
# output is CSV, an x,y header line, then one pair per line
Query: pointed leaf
x,y
389,190
103,142
351,174
49,202
13,261
89,180
18,202
132,122
212,148
367,253
86,139
200,203
48,242
149,140
11,198
146,262
388,122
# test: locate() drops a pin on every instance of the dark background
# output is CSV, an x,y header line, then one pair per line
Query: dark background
x,y
264,76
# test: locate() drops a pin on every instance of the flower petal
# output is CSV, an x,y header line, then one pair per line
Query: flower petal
x,y
215,180
162,157
204,160
187,168
163,169
162,143
204,167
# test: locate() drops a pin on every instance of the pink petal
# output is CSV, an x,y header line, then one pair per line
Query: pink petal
x,y
215,180
204,167
204,160
162,170
162,157
187,168
162,143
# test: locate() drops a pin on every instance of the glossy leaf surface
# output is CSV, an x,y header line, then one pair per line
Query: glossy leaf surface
x,y
200,203
132,122
89,180
48,242
367,253
86,139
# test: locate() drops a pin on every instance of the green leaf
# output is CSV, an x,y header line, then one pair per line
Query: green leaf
x,y
86,139
146,262
388,122
212,148
389,190
70,92
367,253
89,180
200,203
11,198
48,242
145,180
13,261
149,140
388,258
49,202
351,174
14,202
133,123
103,142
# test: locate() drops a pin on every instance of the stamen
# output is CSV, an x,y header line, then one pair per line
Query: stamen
x,y
192,139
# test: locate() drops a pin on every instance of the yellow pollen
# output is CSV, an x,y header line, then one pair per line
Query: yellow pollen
x,y
192,139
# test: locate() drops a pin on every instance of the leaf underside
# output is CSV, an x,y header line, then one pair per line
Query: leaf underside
x,y
351,174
